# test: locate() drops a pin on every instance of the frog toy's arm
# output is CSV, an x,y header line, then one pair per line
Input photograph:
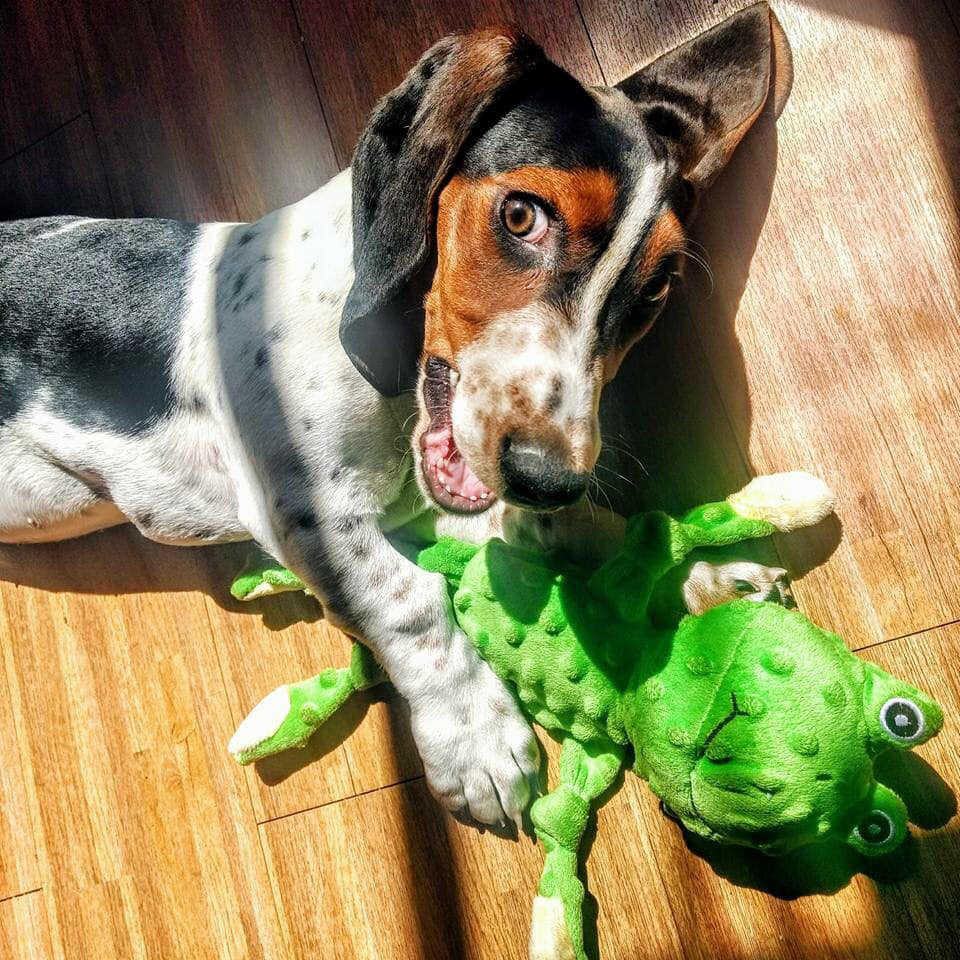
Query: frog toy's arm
x,y
290,715
560,819
655,542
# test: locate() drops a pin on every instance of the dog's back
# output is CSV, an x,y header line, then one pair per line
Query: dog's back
x,y
87,308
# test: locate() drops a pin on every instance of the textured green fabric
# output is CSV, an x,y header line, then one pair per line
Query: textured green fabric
x,y
262,578
560,819
753,725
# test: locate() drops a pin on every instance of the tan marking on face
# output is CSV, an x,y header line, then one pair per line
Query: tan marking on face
x,y
666,236
474,280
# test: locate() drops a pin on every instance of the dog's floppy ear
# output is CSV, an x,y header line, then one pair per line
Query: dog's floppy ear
x,y
403,158
702,97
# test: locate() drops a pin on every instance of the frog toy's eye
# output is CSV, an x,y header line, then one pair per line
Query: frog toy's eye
x,y
875,829
902,720
744,586
881,826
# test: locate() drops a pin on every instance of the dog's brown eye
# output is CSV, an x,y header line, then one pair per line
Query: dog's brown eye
x,y
657,288
524,218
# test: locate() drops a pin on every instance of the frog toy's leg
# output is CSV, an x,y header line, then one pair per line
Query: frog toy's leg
x,y
560,818
289,716
263,577
655,543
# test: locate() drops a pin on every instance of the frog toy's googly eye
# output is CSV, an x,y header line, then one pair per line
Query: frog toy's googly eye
x,y
876,829
902,719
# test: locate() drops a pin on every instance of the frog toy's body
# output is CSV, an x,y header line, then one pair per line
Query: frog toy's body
x,y
752,725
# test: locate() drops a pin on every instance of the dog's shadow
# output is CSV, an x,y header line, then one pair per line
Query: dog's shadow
x,y
673,434
121,561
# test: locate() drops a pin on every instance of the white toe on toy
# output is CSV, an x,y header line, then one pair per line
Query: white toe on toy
x,y
261,722
549,939
787,500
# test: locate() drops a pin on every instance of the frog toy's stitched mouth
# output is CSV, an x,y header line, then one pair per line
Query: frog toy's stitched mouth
x,y
451,480
733,797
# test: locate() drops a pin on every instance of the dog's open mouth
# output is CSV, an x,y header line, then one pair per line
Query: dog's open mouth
x,y
452,482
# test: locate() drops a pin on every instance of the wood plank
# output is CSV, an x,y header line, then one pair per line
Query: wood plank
x,y
39,82
60,174
146,836
834,343
24,934
928,783
18,856
206,111
361,50
412,883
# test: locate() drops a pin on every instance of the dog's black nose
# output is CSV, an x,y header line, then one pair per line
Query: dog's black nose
x,y
537,478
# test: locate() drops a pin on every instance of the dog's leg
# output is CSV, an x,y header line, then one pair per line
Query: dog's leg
x,y
40,502
707,585
478,753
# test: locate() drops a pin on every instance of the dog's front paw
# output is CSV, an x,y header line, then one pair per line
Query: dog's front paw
x,y
480,756
710,584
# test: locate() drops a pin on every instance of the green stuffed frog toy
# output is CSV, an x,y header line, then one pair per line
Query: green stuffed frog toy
x,y
753,725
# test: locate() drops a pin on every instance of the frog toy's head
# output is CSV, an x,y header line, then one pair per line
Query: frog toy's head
x,y
761,729
896,716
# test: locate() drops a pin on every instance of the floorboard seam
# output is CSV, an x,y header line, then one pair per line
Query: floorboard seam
x,y
328,803
316,86
46,136
904,636
15,896
593,49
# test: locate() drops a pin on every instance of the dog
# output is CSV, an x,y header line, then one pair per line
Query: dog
x,y
430,330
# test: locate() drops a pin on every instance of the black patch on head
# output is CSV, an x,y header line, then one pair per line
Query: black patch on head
x,y
554,122
261,357
238,282
245,237
92,316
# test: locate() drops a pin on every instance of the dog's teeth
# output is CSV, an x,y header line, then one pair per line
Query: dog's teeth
x,y
472,497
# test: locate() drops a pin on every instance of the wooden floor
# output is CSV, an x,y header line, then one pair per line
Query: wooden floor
x,y
829,341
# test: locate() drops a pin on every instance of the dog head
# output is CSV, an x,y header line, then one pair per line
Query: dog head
x,y
516,233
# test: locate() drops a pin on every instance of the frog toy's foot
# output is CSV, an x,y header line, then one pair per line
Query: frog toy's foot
x,y
289,716
263,577
549,937
786,500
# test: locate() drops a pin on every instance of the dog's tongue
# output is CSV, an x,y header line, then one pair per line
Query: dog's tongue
x,y
448,468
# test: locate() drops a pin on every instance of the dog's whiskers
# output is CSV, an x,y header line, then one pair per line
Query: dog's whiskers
x,y
699,259
622,450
